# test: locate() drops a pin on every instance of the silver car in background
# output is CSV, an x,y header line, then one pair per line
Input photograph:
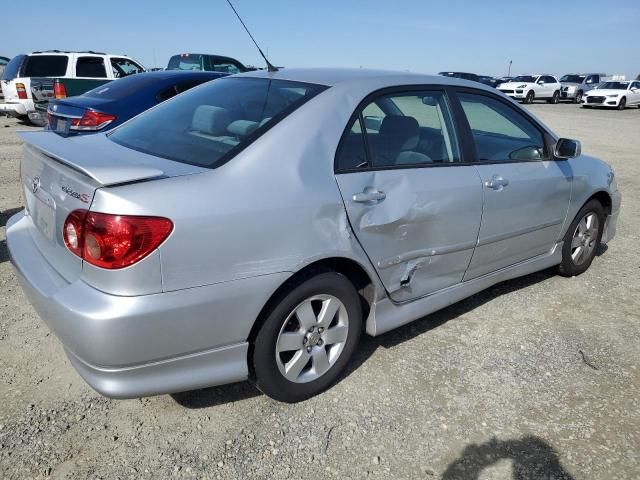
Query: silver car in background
x,y
253,227
575,85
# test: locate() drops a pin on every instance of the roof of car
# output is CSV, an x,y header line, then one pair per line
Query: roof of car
x,y
338,76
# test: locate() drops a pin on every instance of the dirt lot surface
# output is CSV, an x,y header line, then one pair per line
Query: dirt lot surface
x,y
537,378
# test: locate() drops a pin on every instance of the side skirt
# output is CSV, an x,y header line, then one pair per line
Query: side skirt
x,y
387,315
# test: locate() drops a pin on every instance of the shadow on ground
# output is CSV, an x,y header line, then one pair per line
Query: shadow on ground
x,y
532,459
213,396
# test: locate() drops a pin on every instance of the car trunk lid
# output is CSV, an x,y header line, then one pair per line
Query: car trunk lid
x,y
60,175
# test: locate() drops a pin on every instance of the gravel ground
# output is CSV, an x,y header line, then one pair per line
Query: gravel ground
x,y
536,378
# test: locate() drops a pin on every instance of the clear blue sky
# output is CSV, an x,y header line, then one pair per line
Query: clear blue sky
x,y
417,35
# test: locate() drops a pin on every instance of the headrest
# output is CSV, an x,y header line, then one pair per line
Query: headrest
x,y
211,120
405,129
242,128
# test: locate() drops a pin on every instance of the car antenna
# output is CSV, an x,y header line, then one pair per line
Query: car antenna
x,y
270,68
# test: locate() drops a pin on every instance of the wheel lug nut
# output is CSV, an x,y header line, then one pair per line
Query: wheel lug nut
x,y
309,349
320,329
320,342
304,340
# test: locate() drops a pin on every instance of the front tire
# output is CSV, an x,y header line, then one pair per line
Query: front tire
x,y
530,97
622,104
582,239
578,97
555,99
307,338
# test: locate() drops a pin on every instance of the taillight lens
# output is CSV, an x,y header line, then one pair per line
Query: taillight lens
x,y
113,241
22,92
59,90
92,120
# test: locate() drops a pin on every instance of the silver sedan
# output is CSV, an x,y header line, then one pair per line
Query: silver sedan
x,y
253,227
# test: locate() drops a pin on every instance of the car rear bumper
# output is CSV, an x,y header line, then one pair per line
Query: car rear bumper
x,y
13,109
128,347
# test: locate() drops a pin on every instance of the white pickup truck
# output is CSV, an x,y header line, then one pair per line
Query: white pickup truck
x,y
86,67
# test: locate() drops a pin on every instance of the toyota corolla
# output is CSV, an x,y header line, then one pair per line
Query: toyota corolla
x,y
253,227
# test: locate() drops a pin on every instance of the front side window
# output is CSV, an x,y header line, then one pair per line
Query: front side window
x,y
499,132
46,66
123,67
90,67
209,124
401,129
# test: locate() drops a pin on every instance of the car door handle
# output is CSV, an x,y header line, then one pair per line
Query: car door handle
x,y
496,183
369,196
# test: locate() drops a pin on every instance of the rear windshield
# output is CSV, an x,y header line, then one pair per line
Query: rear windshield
x,y
187,62
209,124
12,69
46,66
123,87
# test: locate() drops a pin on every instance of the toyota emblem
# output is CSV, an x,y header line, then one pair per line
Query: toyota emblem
x,y
35,184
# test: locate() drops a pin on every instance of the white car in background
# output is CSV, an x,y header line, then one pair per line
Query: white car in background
x,y
613,95
532,87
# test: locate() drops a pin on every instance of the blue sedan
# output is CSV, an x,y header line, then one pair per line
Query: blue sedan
x,y
113,103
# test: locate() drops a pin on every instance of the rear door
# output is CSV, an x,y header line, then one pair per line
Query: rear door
x,y
413,203
526,192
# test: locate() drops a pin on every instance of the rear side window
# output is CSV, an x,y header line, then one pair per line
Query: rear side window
x,y
173,90
208,125
12,69
90,67
45,66
225,66
401,129
499,132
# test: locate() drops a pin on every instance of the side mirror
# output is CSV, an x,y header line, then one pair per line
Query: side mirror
x,y
540,82
430,100
566,148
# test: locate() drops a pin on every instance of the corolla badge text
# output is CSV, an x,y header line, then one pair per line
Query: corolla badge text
x,y
83,197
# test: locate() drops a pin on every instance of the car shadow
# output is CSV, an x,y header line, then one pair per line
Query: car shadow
x,y
210,397
5,215
532,459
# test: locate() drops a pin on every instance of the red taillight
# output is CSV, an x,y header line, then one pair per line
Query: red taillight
x,y
22,92
59,90
113,241
92,120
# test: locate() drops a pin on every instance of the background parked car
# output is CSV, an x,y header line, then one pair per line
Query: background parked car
x,y
206,63
533,87
574,85
491,81
613,95
3,63
78,72
113,103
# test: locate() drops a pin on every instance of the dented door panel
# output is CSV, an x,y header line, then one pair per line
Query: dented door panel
x,y
420,237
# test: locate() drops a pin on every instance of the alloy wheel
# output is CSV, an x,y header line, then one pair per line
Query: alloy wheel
x,y
312,338
584,238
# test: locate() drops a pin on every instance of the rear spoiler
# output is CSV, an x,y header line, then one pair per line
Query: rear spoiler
x,y
101,164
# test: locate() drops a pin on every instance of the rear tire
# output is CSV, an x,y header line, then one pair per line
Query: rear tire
x,y
582,239
307,337
623,103
530,97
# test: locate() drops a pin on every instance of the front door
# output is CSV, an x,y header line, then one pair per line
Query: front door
x,y
414,206
526,193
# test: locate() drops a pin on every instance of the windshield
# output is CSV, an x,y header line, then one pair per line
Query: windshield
x,y
524,78
124,87
208,125
187,61
614,85
573,78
